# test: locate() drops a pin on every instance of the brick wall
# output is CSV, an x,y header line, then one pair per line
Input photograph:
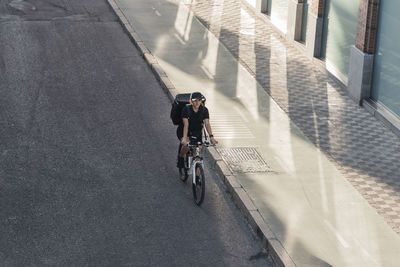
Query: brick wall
x,y
367,25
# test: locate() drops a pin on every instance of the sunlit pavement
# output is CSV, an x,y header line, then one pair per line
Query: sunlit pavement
x,y
364,151
313,210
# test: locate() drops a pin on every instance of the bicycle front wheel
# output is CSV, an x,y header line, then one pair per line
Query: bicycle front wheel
x,y
199,185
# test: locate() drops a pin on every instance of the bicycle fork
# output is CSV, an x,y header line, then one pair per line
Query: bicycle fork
x,y
195,162
194,172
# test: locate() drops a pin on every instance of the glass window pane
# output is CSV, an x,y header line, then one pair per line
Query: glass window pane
x,y
304,22
386,78
340,28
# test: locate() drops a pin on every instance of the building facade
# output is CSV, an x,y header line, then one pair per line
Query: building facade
x,y
356,40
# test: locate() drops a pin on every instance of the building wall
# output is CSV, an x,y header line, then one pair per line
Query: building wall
x,y
279,13
251,2
360,52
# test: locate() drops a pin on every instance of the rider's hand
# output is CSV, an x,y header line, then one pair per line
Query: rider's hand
x,y
184,141
213,141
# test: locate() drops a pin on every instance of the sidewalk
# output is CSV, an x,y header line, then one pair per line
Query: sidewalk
x,y
364,151
309,161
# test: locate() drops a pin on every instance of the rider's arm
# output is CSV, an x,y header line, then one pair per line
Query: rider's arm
x,y
185,129
209,131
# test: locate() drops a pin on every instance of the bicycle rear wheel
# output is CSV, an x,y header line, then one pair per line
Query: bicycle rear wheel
x,y
183,172
199,187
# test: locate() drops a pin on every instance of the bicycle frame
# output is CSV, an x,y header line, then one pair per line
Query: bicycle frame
x,y
195,161
192,162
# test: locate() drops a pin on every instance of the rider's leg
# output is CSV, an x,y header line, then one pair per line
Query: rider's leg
x,y
181,156
184,151
179,134
184,148
179,149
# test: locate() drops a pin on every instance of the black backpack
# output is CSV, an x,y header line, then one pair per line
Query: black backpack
x,y
181,100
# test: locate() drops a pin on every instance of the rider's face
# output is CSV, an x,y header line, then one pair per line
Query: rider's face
x,y
196,103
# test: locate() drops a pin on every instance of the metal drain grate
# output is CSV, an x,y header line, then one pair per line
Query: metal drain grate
x,y
244,159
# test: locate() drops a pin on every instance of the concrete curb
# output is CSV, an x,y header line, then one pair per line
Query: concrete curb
x,y
240,196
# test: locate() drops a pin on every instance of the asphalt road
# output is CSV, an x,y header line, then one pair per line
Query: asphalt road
x,y
87,152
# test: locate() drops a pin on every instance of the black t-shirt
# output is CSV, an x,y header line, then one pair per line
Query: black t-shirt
x,y
195,119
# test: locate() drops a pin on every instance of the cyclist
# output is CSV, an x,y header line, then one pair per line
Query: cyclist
x,y
194,116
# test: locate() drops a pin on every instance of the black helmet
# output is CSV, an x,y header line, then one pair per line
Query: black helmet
x,y
198,96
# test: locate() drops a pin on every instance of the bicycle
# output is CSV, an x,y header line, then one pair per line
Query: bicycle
x,y
194,162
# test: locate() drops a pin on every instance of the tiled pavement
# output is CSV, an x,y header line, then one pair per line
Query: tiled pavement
x,y
365,151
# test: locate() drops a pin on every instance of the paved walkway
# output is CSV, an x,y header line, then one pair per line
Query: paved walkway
x,y
295,153
365,151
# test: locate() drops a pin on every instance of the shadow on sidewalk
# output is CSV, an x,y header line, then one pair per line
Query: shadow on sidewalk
x,y
366,152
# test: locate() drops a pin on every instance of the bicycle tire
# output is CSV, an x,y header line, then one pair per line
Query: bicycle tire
x,y
199,188
183,172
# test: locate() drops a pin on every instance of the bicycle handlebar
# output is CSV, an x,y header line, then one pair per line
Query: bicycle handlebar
x,y
207,144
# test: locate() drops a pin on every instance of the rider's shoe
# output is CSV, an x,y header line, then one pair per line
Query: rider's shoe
x,y
181,163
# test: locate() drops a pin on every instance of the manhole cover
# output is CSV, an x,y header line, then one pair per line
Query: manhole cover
x,y
244,159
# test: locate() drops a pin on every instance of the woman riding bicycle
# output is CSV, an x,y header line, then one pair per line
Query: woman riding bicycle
x,y
194,116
